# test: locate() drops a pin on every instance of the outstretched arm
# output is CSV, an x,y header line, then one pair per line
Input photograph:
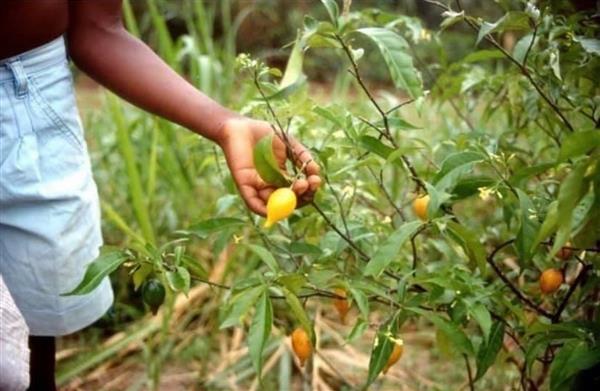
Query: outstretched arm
x,y
100,45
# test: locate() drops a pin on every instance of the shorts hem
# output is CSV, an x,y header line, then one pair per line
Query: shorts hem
x,y
48,324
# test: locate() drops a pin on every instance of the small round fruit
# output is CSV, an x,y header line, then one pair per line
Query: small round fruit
x,y
280,205
341,305
565,253
551,280
301,345
395,356
420,206
153,294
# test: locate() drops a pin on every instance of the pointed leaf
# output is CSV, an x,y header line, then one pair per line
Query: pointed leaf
x,y
489,349
389,250
400,65
265,256
260,330
96,271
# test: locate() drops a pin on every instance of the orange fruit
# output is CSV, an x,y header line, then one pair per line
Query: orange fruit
x,y
395,356
341,305
301,345
551,280
420,206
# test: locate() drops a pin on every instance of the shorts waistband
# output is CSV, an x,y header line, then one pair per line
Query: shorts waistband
x,y
36,59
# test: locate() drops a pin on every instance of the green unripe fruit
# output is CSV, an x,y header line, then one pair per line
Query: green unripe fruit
x,y
153,294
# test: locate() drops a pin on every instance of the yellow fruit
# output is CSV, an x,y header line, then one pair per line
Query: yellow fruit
x,y
280,205
420,207
395,356
341,305
551,280
301,345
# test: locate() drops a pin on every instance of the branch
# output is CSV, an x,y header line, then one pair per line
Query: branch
x,y
470,375
387,133
348,240
580,277
510,285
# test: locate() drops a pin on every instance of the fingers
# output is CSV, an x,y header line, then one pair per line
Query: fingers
x,y
300,186
314,182
253,200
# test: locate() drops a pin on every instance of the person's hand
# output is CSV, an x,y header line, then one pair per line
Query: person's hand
x,y
237,140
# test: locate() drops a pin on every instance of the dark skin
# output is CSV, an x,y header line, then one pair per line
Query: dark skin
x,y
100,46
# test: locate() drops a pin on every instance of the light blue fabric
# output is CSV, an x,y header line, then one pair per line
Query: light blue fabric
x,y
49,209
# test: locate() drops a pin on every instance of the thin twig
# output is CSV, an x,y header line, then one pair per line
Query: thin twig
x,y
510,285
580,277
469,374
339,232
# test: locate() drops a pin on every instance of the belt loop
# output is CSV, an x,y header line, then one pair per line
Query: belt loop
x,y
16,67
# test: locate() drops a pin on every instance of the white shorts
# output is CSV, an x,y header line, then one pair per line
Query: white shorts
x,y
49,209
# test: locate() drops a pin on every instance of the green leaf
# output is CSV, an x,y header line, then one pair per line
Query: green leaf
x,y
469,241
333,11
179,280
548,226
329,115
528,227
204,228
141,274
529,171
361,300
299,313
392,47
521,47
453,167
265,162
453,333
483,317
375,146
469,186
358,330
194,267
569,194
480,55
578,144
389,250
265,256
293,69
294,282
260,330
303,248
436,199
383,345
489,349
288,90
96,271
240,304
573,357
398,123
514,20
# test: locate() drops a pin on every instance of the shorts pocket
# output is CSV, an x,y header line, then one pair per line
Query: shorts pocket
x,y
52,91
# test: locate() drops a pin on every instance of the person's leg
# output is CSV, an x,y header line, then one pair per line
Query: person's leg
x,y
42,363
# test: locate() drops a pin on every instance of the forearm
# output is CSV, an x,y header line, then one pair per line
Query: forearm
x,y
128,67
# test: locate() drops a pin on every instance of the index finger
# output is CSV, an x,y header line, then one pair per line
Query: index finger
x,y
303,158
